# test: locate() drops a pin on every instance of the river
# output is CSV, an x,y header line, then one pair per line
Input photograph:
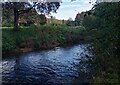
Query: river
x,y
56,66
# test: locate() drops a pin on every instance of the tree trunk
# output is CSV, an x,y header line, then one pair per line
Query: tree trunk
x,y
16,17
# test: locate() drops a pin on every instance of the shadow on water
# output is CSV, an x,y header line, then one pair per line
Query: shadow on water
x,y
56,66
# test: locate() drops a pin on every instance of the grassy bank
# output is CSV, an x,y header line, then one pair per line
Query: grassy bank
x,y
37,38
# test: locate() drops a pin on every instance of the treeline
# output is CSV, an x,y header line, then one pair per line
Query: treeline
x,y
30,19
102,23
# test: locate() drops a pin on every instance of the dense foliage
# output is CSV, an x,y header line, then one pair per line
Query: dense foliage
x,y
105,59
43,37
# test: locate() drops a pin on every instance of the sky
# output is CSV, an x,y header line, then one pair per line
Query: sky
x,y
69,9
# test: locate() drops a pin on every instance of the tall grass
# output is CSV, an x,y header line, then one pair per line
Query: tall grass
x,y
46,36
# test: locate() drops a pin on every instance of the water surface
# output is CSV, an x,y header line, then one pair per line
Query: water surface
x,y
43,67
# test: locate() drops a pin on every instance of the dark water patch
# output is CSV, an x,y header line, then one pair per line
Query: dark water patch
x,y
56,66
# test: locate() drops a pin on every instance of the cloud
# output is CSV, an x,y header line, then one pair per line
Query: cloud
x,y
70,9
70,6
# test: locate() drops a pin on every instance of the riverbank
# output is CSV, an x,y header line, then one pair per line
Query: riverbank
x,y
39,38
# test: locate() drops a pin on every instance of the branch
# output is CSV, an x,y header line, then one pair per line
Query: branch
x,y
27,10
24,11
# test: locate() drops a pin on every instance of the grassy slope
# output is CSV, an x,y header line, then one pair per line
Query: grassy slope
x,y
43,37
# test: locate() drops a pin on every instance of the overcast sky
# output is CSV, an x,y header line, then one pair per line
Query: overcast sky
x,y
69,9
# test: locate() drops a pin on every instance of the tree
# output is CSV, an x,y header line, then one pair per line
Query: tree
x,y
105,64
19,8
43,19
32,18
79,18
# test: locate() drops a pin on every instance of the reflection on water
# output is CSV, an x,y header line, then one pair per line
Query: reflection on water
x,y
43,67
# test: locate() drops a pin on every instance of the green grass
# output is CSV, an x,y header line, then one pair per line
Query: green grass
x,y
40,37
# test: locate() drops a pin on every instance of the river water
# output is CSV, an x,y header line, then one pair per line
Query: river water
x,y
56,66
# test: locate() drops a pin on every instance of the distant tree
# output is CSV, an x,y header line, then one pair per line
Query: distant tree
x,y
69,22
43,19
70,19
24,7
63,21
79,18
